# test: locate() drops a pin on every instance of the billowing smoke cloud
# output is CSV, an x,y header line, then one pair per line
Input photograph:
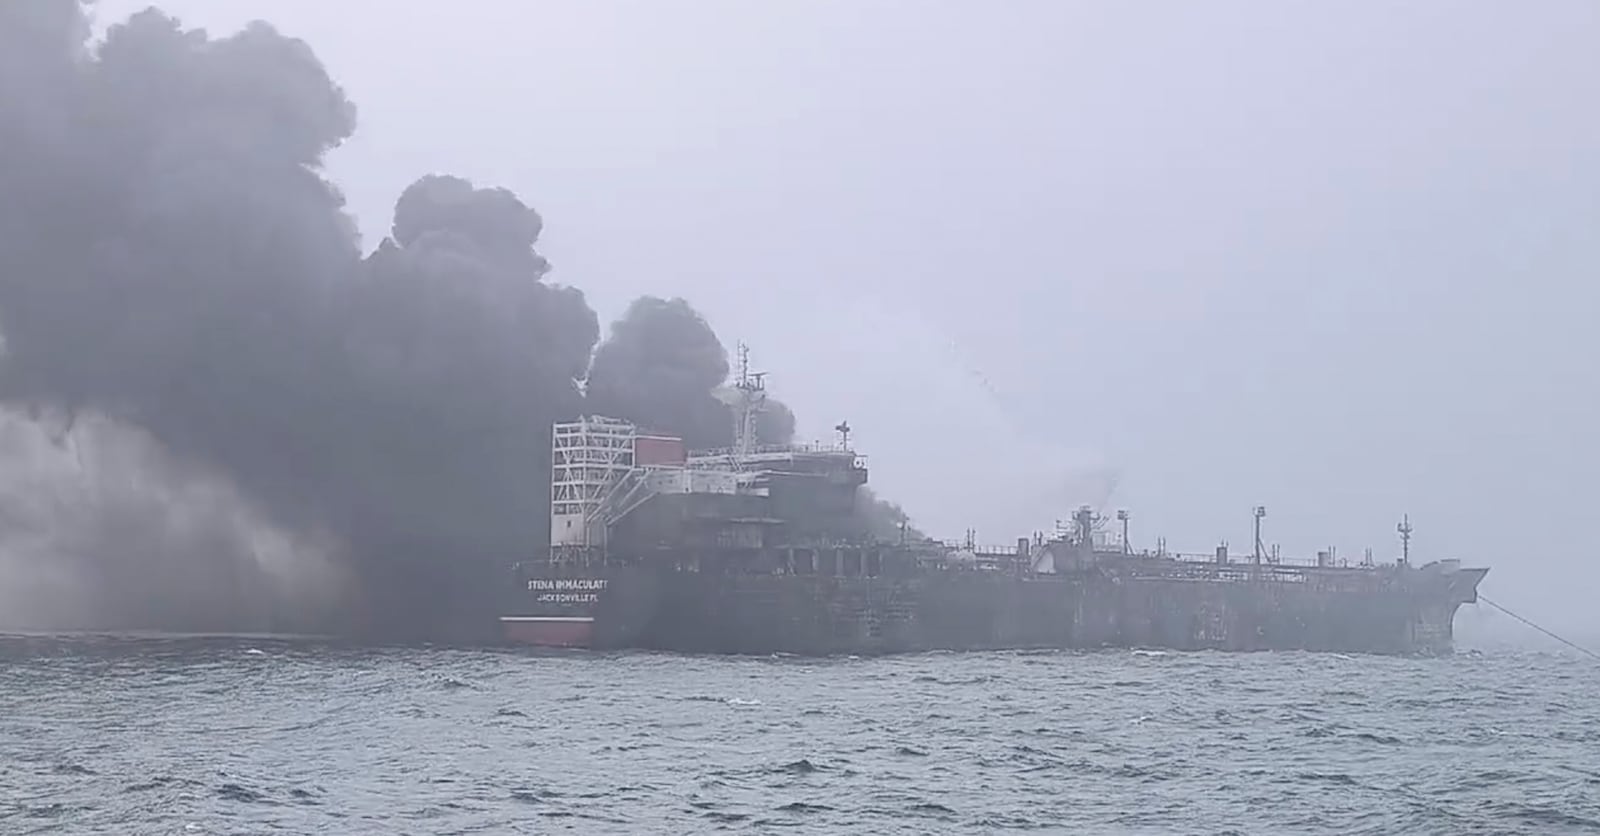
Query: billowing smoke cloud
x,y
171,258
660,368
663,367
169,261
178,282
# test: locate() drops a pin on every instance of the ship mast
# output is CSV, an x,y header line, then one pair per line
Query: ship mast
x,y
1405,539
752,395
1261,511
1083,523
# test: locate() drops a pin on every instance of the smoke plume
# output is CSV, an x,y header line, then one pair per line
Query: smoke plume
x,y
660,368
183,291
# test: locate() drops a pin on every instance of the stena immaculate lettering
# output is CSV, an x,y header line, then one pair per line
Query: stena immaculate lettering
x,y
567,590
567,584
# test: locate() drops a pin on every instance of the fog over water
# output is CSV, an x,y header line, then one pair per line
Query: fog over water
x,y
1337,261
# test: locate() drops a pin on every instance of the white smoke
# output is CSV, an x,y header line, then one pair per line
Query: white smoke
x,y
101,530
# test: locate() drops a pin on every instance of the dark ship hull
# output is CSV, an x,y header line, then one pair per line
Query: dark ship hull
x,y
763,550
1388,610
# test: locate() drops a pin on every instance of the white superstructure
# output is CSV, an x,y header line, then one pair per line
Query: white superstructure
x,y
603,469
588,457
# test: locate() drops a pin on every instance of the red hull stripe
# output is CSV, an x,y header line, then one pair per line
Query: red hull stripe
x,y
547,631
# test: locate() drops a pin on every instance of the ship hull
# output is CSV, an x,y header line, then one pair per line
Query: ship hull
x,y
695,612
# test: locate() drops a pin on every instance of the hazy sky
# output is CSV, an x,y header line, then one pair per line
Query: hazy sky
x,y
1338,259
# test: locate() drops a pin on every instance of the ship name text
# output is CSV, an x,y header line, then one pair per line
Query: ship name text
x,y
567,590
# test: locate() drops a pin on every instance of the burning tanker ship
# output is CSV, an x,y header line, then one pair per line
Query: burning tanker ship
x,y
760,550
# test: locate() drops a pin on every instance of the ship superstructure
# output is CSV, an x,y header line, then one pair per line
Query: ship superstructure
x,y
615,485
760,548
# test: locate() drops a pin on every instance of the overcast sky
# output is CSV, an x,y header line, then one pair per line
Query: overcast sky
x,y
1338,259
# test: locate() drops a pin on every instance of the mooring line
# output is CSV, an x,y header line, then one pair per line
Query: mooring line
x,y
1572,644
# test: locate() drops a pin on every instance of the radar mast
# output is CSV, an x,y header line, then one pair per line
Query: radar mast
x,y
1405,539
752,390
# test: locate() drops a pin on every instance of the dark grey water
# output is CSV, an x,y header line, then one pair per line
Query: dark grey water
x,y
260,736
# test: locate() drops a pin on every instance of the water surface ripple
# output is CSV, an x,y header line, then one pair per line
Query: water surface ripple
x,y
215,736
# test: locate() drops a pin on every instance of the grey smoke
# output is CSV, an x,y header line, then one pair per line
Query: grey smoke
x,y
178,279
660,368
101,529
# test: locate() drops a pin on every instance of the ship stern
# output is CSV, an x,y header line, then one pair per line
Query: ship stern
x,y
560,606
552,607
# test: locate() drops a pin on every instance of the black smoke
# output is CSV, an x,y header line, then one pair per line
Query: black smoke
x,y
174,263
660,368
664,368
